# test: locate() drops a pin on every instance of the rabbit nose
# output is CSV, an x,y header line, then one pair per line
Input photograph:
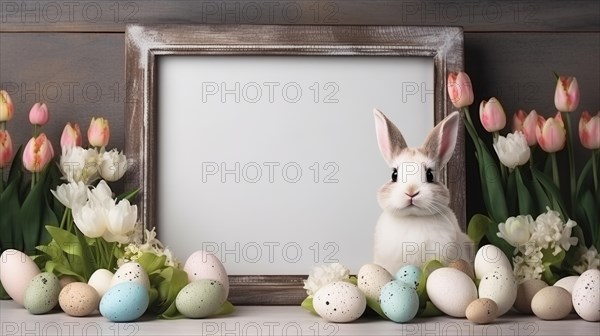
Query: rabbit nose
x,y
414,194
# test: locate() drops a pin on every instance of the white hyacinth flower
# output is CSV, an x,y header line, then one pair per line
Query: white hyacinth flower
x,y
71,195
324,275
512,150
589,260
112,165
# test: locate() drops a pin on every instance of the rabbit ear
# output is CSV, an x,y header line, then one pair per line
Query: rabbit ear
x,y
389,138
441,141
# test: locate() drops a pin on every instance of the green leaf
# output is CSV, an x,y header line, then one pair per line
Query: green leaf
x,y
67,241
589,207
226,309
11,236
526,206
171,313
308,304
549,277
3,294
430,310
551,259
16,167
48,219
430,266
376,307
31,214
552,190
60,269
129,195
492,236
584,177
511,191
88,265
541,197
478,226
151,262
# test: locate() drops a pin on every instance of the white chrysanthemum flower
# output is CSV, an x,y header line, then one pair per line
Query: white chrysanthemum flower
x,y
589,260
551,232
325,274
79,165
566,241
528,266
516,230
71,195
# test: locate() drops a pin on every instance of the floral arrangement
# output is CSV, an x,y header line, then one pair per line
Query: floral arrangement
x,y
98,234
564,237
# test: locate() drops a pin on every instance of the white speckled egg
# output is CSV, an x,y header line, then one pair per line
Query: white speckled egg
x,y
586,295
399,301
339,302
78,299
42,293
482,311
551,303
124,302
371,278
200,298
499,285
203,265
487,258
16,271
101,280
410,275
131,272
567,283
525,293
451,290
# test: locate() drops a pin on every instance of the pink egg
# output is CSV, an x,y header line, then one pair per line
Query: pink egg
x,y
203,265
16,271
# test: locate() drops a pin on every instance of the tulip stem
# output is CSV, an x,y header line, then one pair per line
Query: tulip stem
x,y
2,180
595,169
555,177
33,180
502,167
573,182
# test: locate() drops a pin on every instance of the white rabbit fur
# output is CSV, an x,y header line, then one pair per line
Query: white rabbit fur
x,y
417,224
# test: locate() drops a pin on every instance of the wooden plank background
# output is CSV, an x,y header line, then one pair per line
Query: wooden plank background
x,y
71,54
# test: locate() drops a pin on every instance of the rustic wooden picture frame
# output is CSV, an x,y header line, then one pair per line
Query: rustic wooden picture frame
x,y
145,43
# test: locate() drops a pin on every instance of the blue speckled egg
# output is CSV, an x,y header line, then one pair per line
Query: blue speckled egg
x,y
124,302
410,275
399,302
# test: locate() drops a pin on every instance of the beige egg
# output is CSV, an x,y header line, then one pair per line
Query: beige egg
x,y
371,278
525,293
451,291
463,266
482,311
552,303
567,283
65,280
78,299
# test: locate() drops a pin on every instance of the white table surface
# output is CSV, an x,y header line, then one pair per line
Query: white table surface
x,y
279,320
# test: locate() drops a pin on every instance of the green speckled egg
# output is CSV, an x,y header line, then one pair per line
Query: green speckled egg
x,y
200,298
41,295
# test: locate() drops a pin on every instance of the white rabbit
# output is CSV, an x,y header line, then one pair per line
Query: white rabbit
x,y
416,224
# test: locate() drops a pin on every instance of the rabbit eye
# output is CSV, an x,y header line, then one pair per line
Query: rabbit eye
x,y
395,175
429,175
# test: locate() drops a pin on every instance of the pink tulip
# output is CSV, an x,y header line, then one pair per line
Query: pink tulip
x,y
38,114
589,130
460,89
526,123
566,96
551,134
37,153
492,115
71,136
6,149
99,132
6,106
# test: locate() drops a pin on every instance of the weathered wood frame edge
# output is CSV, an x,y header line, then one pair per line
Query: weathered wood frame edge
x,y
145,43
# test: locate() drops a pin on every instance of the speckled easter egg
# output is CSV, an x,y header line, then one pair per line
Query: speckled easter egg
x,y
488,257
463,266
78,299
42,293
204,265
371,278
124,302
551,303
16,270
399,301
65,280
339,302
499,285
525,293
131,272
200,298
410,275
482,311
451,290
586,295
